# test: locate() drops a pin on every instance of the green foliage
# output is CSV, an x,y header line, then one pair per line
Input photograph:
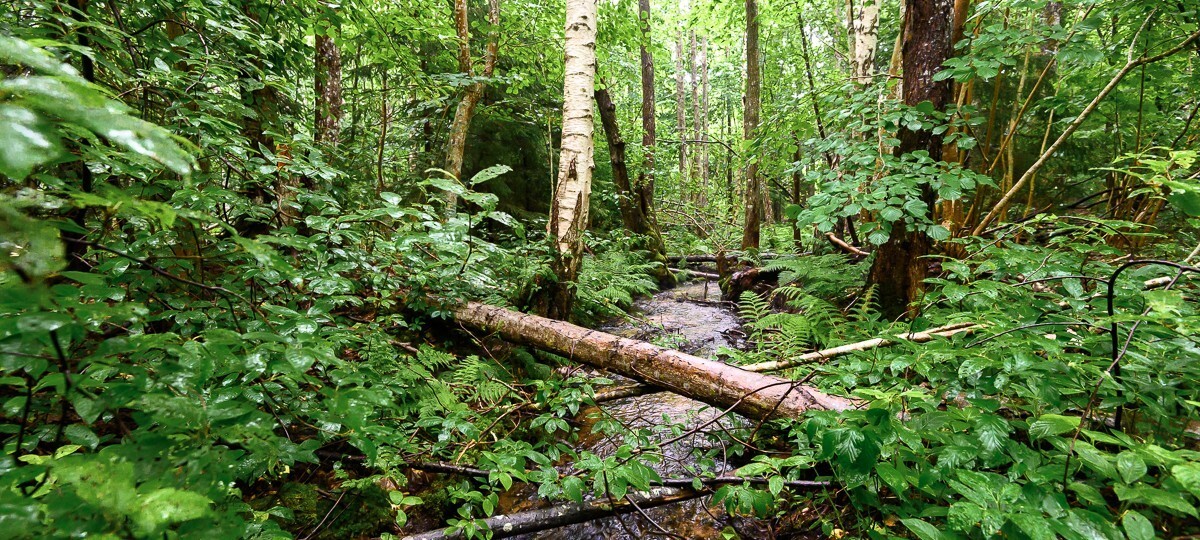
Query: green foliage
x,y
609,280
1010,432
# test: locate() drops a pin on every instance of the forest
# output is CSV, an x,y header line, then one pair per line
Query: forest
x,y
600,269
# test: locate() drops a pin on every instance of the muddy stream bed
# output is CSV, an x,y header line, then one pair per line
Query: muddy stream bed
x,y
692,319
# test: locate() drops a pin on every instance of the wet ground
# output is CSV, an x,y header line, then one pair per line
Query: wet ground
x,y
690,318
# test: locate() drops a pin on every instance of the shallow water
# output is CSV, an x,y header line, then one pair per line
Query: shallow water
x,y
690,318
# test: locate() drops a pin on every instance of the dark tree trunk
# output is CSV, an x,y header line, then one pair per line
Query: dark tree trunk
x,y
328,89
900,269
74,248
753,196
643,191
631,212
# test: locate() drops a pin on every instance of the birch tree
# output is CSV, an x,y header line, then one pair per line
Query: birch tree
x,y
569,213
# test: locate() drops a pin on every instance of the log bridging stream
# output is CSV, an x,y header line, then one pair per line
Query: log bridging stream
x,y
754,395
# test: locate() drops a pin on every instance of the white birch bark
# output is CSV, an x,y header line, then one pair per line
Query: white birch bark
x,y
866,40
576,162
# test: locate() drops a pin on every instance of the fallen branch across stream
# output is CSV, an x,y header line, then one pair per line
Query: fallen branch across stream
x,y
754,395
728,255
705,275
561,515
825,354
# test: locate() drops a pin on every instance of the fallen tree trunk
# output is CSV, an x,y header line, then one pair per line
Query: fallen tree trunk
x,y
754,395
729,255
705,275
567,514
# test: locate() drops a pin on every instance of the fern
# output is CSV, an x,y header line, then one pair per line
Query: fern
x,y
608,283
479,379
752,308
826,276
866,310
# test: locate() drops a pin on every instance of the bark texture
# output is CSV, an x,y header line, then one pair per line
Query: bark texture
x,y
865,40
681,104
754,395
456,145
899,269
752,200
643,189
561,515
631,212
569,214
328,89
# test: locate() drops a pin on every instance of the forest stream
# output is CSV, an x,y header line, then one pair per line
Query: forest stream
x,y
690,318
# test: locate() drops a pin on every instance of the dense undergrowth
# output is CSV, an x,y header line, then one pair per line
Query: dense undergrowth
x,y
184,354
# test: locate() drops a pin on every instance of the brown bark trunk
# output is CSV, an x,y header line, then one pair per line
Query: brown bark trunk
x,y
753,197
754,395
456,145
680,101
643,190
899,269
631,215
328,88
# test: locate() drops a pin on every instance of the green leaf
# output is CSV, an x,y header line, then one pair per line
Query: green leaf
x,y
573,488
26,141
1130,466
169,505
1188,474
1052,424
1172,502
19,51
489,173
923,529
1137,527
1186,201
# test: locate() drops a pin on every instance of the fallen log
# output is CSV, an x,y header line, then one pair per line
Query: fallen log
x,y
754,395
826,354
705,275
729,255
621,392
561,515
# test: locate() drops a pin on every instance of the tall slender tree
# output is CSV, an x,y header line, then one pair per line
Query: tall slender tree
x,y
327,86
569,213
899,269
752,198
457,144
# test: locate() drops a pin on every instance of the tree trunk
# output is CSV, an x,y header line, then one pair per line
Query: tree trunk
x,y
899,269
753,196
327,86
561,515
866,41
753,395
456,145
680,105
631,214
569,215
702,120
643,190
